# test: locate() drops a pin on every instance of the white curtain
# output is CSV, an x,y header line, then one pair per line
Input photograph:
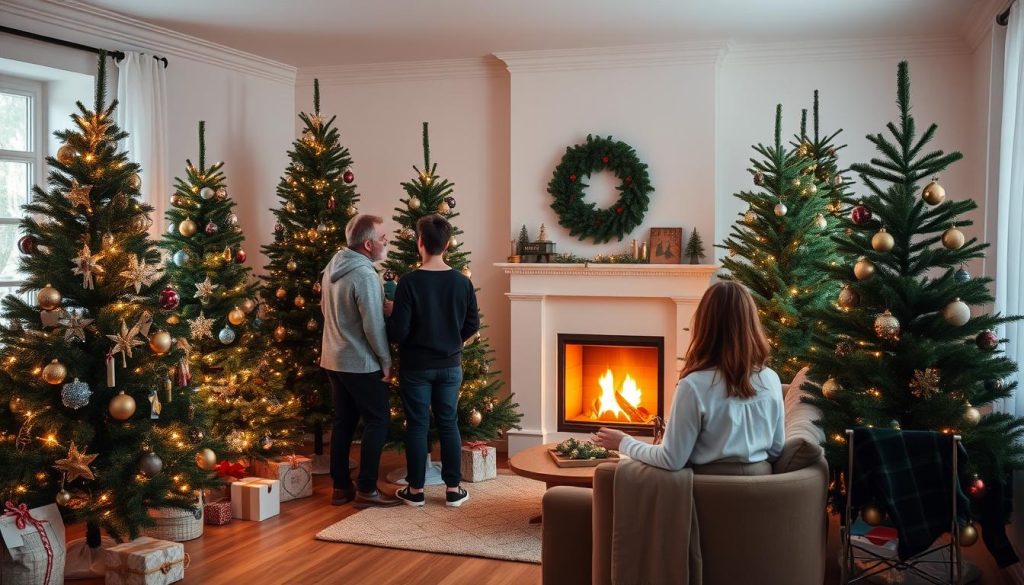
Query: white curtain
x,y
142,112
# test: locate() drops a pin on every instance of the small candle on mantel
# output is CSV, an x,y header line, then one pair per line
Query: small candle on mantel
x,y
643,251
633,250
512,248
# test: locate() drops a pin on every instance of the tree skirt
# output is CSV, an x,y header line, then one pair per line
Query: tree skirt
x,y
493,524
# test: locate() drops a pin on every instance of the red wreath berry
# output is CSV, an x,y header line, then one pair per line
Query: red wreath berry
x,y
605,159
618,210
572,178
628,180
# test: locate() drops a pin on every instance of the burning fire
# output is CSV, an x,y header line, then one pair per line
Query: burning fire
x,y
621,405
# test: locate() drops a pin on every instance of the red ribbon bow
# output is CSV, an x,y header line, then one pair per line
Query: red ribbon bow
x,y
293,461
22,518
227,469
480,446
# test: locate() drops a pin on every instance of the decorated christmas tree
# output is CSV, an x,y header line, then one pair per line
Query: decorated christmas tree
x,y
214,297
90,413
902,348
318,198
694,248
775,248
483,415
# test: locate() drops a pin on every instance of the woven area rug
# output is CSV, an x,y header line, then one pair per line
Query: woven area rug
x,y
494,523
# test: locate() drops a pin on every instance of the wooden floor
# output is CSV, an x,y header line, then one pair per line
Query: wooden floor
x,y
283,550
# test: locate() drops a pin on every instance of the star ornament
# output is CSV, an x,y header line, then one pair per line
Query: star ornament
x,y
124,341
76,464
88,265
204,290
139,273
74,326
200,327
79,194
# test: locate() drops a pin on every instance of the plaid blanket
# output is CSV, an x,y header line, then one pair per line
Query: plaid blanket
x,y
909,474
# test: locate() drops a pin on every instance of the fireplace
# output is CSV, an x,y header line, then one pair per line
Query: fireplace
x,y
610,380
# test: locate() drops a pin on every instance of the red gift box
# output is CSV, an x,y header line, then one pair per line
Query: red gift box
x,y
218,513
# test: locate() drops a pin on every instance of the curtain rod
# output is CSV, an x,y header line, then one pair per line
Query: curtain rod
x,y
117,55
1004,17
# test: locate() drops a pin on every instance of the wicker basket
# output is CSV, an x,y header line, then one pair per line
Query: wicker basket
x,y
176,524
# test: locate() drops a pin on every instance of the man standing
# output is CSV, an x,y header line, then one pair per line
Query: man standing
x,y
356,356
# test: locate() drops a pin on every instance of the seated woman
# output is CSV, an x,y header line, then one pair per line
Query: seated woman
x,y
728,405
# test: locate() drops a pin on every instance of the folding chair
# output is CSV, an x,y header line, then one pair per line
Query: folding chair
x,y
851,552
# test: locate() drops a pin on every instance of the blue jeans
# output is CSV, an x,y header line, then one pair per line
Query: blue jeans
x,y
423,391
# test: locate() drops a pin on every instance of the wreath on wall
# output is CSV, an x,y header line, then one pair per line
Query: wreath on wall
x,y
585,220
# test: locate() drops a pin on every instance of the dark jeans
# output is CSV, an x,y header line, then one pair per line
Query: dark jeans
x,y
423,391
355,396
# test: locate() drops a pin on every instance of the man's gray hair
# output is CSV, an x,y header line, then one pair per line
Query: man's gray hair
x,y
361,229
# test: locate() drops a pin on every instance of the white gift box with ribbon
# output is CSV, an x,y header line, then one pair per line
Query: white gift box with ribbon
x,y
255,498
294,472
33,545
145,561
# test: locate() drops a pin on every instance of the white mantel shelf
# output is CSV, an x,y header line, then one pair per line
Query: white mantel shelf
x,y
607,269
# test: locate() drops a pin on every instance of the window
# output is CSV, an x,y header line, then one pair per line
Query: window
x,y
21,166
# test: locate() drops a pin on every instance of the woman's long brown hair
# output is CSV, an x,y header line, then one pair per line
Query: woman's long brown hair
x,y
727,336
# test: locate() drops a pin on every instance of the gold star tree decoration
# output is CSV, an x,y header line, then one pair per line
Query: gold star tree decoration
x,y
140,273
204,290
74,326
124,341
88,265
76,464
79,194
200,327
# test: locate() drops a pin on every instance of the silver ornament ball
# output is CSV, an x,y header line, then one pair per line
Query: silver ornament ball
x,y
151,464
75,394
207,193
226,335
180,258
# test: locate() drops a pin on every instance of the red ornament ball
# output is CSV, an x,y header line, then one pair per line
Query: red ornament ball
x,y
211,228
619,210
240,256
605,159
987,340
169,299
348,176
28,245
572,178
976,488
860,215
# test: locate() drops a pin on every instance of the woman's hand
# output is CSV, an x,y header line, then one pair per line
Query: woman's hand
x,y
609,438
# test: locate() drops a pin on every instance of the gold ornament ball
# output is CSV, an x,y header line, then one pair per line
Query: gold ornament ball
x,y
187,228
873,515
475,418
236,316
781,209
248,305
452,242
160,342
352,210
848,298
882,241
953,238
279,333
467,272
300,301
135,181
933,193
312,234
443,208
820,222
281,293
968,535
863,269
749,217
173,320
887,326
830,387
414,203
972,416
956,313
312,325
122,406
54,372
206,459
66,154
63,498
48,297
291,266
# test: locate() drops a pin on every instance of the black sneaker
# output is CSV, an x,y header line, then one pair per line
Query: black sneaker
x,y
456,499
411,499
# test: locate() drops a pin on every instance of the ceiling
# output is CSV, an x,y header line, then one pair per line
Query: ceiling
x,y
338,32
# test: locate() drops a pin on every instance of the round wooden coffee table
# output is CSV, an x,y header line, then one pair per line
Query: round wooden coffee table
x,y
535,463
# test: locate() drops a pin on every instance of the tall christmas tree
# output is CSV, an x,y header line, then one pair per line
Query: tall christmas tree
x,y
785,231
902,349
89,414
483,415
214,298
318,198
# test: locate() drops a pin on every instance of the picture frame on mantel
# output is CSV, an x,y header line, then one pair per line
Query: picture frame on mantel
x,y
666,246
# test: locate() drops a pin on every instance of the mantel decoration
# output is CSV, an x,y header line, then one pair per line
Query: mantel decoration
x,y
584,220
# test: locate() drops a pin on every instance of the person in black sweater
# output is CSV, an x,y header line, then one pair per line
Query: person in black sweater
x,y
433,315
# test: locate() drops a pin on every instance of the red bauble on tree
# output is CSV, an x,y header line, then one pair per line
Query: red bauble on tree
x,y
572,178
348,176
169,299
976,487
240,256
987,340
28,245
860,215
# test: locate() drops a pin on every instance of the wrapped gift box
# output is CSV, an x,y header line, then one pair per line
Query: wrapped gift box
x,y
217,513
479,462
295,474
145,561
33,548
255,498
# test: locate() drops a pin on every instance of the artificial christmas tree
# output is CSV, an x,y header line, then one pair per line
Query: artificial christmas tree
x,y
775,247
483,415
215,307
694,248
86,415
318,198
901,348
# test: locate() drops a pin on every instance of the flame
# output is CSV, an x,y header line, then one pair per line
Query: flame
x,y
607,406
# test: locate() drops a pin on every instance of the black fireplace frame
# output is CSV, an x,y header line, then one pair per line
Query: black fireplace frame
x,y
566,426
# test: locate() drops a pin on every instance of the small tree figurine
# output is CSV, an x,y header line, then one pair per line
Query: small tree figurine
x,y
694,248
524,240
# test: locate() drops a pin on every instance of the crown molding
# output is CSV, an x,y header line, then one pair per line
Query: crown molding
x,y
92,25
981,19
844,49
695,53
606,270
401,71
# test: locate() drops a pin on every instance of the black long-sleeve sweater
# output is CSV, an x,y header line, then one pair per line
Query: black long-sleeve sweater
x,y
435,312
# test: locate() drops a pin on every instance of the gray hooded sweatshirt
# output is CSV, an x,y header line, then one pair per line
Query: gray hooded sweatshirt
x,y
355,338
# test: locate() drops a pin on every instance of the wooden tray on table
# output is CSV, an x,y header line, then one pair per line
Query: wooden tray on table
x,y
564,461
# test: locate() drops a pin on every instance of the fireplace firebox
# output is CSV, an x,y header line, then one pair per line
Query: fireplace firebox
x,y
610,381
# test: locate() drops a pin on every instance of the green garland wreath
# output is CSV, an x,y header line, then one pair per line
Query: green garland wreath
x,y
584,220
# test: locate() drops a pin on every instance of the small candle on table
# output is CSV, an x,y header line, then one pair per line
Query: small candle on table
x,y
643,251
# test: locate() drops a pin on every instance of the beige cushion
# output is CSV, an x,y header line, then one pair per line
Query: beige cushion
x,y
803,437
733,468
